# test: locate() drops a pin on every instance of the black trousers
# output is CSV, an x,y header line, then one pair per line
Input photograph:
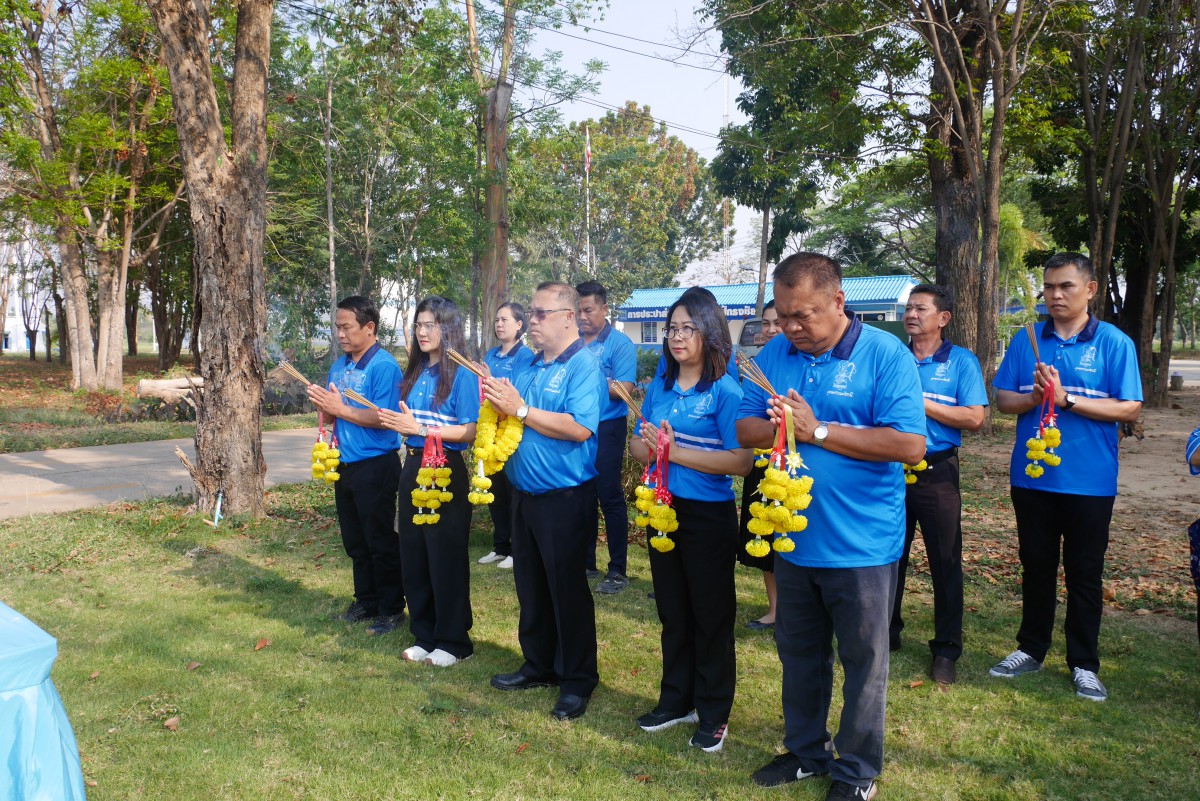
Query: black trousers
x,y
437,573
557,628
611,436
935,503
501,509
365,497
697,604
1079,524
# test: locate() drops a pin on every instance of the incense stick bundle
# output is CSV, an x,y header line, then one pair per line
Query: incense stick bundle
x,y
621,391
357,398
1033,342
754,374
464,362
293,372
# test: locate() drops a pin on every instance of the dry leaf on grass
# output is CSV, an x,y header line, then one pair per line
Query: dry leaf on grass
x,y
261,644
193,665
915,684
94,676
642,778
171,723
521,748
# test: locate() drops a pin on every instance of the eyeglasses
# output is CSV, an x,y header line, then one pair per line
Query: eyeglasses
x,y
540,314
683,332
419,327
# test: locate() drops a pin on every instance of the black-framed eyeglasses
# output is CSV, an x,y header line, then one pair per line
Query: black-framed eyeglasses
x,y
684,332
540,314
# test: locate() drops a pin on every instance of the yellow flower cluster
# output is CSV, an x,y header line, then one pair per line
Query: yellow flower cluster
x,y
325,461
479,494
1040,449
784,498
495,439
657,515
430,494
760,457
911,470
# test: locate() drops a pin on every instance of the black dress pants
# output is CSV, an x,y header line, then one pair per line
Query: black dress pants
x,y
365,496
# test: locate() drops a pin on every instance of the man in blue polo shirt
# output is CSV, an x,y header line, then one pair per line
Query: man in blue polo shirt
x,y
553,473
856,402
955,400
1092,369
365,494
618,358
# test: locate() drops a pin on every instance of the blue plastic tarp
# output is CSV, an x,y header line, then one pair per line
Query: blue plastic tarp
x,y
39,759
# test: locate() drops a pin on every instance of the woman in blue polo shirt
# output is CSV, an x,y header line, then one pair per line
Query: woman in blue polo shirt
x,y
695,404
436,393
503,361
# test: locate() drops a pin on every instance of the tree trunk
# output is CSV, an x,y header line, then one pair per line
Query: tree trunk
x,y
46,311
761,300
327,124
227,201
131,318
494,268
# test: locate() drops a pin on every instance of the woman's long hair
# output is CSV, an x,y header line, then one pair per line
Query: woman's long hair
x,y
518,313
449,320
712,326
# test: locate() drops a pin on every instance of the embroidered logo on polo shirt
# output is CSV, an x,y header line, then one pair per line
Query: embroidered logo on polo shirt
x,y
942,373
702,407
843,376
1087,362
556,381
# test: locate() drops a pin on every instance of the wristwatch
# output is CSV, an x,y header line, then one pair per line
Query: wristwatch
x,y
422,430
522,412
819,434
1070,401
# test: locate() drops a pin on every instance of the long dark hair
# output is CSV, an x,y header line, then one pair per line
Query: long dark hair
x,y
449,320
712,326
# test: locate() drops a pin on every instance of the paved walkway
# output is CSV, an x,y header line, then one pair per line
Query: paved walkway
x,y
75,478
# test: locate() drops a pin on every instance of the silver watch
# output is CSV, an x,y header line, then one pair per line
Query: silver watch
x,y
422,430
522,412
819,434
1069,401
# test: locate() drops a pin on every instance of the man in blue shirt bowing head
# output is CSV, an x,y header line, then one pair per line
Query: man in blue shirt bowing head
x,y
855,400
553,472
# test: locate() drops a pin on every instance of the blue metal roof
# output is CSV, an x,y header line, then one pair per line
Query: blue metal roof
x,y
738,299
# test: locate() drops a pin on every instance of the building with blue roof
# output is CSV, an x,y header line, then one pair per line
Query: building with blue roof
x,y
875,299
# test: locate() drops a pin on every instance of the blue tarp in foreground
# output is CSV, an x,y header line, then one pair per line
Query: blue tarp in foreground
x,y
39,760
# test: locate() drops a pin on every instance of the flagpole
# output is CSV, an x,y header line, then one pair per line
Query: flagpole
x,y
587,202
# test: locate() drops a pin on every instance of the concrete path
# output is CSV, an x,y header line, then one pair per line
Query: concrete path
x,y
75,478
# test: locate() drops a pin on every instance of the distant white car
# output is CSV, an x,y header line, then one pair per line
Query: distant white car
x,y
751,340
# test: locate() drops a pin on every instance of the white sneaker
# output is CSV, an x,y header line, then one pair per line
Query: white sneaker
x,y
506,564
491,557
442,658
415,653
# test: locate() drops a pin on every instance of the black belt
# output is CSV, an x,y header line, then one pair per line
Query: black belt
x,y
413,451
937,457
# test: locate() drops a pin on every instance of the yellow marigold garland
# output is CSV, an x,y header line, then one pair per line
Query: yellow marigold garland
x,y
495,441
911,470
433,477
1039,449
653,500
785,492
325,458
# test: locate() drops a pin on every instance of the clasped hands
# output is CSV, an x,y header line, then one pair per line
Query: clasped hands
x,y
1043,374
804,421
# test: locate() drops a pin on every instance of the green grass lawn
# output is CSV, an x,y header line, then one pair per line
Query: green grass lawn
x,y
134,593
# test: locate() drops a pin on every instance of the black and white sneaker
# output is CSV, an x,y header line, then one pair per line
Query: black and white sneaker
x,y
783,769
658,719
1087,685
355,613
709,736
850,792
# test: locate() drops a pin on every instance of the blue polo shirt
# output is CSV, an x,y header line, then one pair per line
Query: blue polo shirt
x,y
867,380
376,376
1192,444
503,366
951,377
705,419
460,407
618,358
573,384
1098,362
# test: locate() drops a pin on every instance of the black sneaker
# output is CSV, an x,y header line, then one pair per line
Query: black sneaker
x,y
783,769
850,792
593,574
613,583
385,624
659,719
355,613
709,736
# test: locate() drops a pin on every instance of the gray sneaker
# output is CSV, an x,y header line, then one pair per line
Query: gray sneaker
x,y
1087,685
613,583
1015,664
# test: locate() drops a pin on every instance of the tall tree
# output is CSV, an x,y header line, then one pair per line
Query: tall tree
x,y
227,198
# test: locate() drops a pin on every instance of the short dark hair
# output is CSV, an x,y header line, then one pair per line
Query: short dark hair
x,y
365,310
1071,259
713,328
566,293
518,313
824,273
770,304
592,288
941,296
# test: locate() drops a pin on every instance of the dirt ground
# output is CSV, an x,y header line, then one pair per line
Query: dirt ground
x,y
1147,565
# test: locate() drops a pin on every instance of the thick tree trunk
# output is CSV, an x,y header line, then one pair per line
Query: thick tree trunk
x,y
327,125
77,315
494,269
761,299
227,202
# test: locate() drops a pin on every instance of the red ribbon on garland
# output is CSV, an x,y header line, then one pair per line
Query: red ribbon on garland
x,y
433,455
662,466
1048,409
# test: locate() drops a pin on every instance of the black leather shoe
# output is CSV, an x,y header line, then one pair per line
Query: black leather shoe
x,y
943,670
570,707
519,681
